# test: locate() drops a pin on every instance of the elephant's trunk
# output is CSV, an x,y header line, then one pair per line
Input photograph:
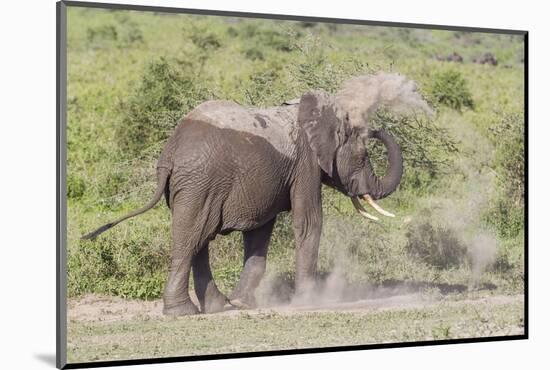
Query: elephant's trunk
x,y
384,186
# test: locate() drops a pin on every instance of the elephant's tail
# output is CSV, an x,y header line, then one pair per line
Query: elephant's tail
x,y
163,174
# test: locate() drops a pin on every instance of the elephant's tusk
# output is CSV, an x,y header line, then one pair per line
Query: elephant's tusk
x,y
373,204
362,211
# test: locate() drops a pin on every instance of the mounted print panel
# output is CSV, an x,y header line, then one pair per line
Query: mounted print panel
x,y
246,184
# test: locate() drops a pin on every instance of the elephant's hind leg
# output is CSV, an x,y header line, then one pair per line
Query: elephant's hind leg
x,y
256,243
176,291
192,227
210,298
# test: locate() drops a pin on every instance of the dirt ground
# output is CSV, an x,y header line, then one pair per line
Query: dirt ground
x,y
110,328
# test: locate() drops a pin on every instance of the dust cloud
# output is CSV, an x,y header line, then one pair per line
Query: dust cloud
x,y
345,285
361,96
461,212
348,282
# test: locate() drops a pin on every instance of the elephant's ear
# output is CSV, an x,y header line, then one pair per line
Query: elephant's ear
x,y
317,117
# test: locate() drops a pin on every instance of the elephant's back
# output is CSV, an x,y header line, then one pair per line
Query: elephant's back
x,y
276,125
200,130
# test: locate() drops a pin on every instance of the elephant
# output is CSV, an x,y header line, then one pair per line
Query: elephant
x,y
228,167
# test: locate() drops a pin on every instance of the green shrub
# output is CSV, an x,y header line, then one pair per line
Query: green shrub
x,y
75,186
254,54
428,149
435,245
261,89
507,218
153,109
124,35
450,88
130,34
507,211
101,34
269,38
129,264
232,31
314,71
205,41
508,136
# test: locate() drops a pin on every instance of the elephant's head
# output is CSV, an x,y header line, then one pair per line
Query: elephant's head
x,y
337,132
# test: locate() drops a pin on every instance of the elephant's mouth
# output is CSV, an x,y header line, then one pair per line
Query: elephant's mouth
x,y
363,212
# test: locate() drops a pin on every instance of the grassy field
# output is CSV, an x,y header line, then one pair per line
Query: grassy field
x,y
132,76
142,331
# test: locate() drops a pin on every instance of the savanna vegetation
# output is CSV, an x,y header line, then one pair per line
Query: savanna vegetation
x,y
460,206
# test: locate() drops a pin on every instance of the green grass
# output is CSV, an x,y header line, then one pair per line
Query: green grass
x,y
131,76
146,337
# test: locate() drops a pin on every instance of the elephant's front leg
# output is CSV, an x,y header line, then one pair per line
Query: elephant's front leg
x,y
307,221
210,298
256,243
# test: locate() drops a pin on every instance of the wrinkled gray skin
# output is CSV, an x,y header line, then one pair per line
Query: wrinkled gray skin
x,y
227,168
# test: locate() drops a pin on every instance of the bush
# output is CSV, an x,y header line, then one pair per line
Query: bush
x,y
101,34
428,150
260,89
314,71
507,212
449,88
131,34
205,41
508,136
108,35
126,262
435,245
507,218
75,186
254,54
163,96
269,38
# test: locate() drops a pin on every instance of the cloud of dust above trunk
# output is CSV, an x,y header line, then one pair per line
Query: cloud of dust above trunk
x,y
360,97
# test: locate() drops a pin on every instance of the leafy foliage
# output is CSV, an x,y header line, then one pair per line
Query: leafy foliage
x,y
134,266
151,112
449,88
427,149
435,245
106,35
508,136
507,212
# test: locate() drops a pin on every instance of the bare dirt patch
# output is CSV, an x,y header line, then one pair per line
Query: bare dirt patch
x,y
94,307
91,307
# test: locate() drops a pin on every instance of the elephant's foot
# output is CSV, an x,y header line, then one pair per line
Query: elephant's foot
x,y
243,301
302,299
180,309
214,302
305,293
